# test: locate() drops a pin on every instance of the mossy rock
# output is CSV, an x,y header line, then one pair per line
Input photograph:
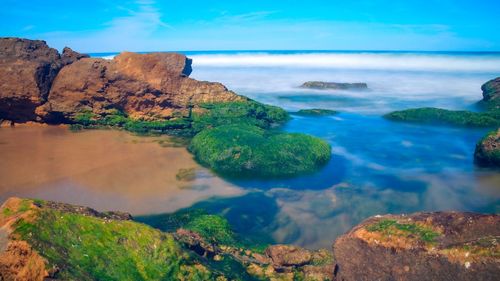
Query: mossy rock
x,y
316,112
93,246
438,116
487,153
248,151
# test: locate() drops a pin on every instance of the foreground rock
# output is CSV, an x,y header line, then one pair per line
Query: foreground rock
x,y
27,70
422,246
491,92
487,153
318,85
44,240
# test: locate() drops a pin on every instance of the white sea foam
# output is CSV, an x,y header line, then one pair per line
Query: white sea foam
x,y
395,80
380,61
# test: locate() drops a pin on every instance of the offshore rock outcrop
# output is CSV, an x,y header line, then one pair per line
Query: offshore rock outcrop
x,y
318,85
421,246
27,70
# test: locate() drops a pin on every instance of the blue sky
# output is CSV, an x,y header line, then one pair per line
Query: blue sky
x,y
148,25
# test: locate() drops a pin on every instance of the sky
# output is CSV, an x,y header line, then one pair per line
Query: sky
x,y
173,25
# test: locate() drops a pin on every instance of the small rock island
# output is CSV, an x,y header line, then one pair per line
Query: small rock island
x,y
318,85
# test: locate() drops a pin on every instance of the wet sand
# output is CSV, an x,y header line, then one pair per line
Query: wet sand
x,y
103,169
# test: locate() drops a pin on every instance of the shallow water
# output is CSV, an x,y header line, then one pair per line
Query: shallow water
x,y
103,169
377,166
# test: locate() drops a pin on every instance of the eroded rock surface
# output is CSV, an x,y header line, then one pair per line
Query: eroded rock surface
x,y
27,70
422,246
146,86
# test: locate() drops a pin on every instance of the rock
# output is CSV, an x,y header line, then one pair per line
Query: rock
x,y
286,255
491,90
27,70
421,246
69,56
318,85
487,153
145,86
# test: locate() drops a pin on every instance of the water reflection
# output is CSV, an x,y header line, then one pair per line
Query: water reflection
x,y
104,169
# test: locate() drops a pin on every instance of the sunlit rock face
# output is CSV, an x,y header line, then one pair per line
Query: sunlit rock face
x,y
420,246
39,84
148,86
27,70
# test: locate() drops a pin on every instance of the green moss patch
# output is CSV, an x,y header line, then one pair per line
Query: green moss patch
x,y
396,228
90,248
208,116
245,150
316,112
439,116
243,112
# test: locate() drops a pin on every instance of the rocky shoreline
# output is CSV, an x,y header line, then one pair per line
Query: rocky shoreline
x,y
420,246
150,94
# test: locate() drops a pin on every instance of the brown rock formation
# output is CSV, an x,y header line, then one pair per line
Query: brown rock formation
x,y
147,86
422,246
491,90
37,83
27,69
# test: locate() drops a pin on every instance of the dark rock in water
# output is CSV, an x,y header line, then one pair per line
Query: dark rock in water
x,y
316,112
318,85
421,246
146,86
491,93
27,69
487,153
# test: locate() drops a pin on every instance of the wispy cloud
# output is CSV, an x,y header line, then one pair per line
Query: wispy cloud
x,y
245,17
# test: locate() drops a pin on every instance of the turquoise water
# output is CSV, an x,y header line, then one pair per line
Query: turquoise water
x,y
377,166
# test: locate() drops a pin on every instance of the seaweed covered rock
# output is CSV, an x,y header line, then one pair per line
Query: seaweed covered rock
x,y
421,246
27,70
144,86
63,242
438,116
243,150
318,85
487,153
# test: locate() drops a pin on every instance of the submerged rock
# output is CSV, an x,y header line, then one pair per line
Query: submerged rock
x,y
318,85
487,153
421,246
27,70
316,112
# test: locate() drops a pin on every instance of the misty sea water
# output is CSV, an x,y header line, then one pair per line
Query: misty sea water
x,y
377,166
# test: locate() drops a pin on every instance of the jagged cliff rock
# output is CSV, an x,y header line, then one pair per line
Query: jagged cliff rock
x,y
422,246
27,69
146,86
37,83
